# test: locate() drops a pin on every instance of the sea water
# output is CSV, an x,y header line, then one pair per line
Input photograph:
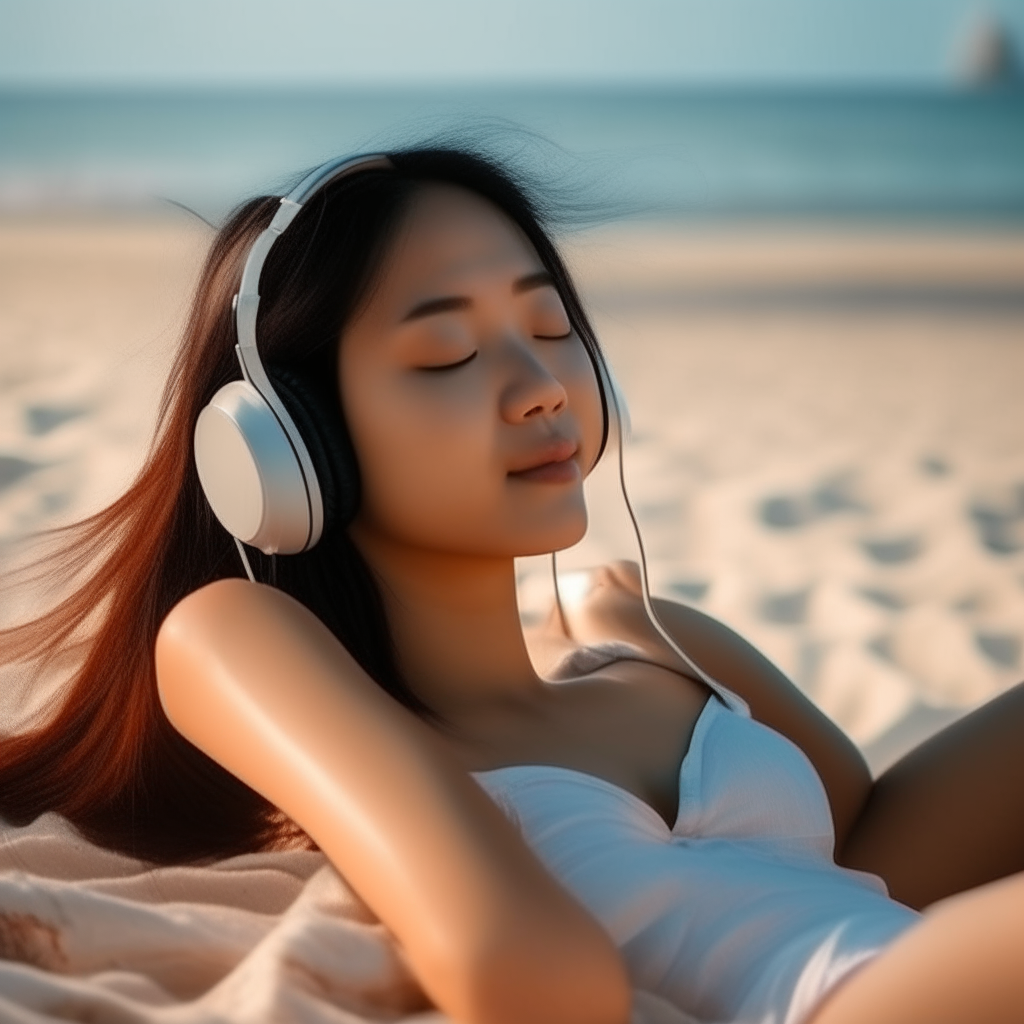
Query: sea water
x,y
664,153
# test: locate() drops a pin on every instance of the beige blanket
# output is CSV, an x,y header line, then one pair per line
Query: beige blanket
x,y
89,935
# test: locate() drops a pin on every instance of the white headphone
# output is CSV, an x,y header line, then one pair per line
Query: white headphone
x,y
254,466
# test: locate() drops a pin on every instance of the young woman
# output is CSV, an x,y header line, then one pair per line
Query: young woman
x,y
375,694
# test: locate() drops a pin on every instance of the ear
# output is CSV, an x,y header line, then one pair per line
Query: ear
x,y
321,423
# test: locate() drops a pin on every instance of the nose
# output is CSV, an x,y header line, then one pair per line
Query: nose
x,y
533,390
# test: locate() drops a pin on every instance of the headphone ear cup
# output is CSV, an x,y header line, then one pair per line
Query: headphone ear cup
x,y
320,421
249,471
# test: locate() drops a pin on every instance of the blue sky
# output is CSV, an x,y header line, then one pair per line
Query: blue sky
x,y
400,42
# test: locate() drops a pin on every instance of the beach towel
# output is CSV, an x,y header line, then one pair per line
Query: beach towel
x,y
91,935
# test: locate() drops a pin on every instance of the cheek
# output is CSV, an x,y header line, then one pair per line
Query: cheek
x,y
426,462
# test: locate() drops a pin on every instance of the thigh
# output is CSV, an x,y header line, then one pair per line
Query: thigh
x,y
962,962
950,815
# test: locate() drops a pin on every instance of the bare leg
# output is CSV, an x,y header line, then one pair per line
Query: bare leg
x,y
962,963
950,814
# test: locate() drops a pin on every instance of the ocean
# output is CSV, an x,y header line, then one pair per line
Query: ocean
x,y
676,154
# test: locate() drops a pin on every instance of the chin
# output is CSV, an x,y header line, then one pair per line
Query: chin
x,y
557,537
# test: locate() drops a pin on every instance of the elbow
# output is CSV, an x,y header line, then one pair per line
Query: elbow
x,y
573,979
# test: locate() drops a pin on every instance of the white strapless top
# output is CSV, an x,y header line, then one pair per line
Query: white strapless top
x,y
736,913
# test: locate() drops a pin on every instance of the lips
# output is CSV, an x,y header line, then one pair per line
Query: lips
x,y
554,463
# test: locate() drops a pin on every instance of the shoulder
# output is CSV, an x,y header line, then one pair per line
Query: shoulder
x,y
223,603
218,596
212,631
197,627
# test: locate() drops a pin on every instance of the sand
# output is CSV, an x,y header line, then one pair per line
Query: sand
x,y
827,444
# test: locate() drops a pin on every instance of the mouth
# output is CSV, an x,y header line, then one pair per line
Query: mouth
x,y
554,464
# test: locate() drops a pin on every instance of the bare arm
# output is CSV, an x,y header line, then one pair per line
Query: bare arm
x,y
259,684
946,818
950,814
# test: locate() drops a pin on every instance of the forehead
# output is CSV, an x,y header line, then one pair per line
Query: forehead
x,y
450,235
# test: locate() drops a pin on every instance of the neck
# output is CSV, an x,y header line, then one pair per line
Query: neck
x,y
455,623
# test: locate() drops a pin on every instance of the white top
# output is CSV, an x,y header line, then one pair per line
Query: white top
x,y
736,913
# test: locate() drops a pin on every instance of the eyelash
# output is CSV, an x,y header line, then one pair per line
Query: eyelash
x,y
449,366
470,358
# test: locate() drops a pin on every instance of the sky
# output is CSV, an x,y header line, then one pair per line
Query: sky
x,y
157,43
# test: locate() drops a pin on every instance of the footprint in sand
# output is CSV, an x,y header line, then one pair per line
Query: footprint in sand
x,y
789,511
999,521
892,550
41,419
13,469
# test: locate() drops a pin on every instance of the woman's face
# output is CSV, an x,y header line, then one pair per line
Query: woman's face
x,y
473,406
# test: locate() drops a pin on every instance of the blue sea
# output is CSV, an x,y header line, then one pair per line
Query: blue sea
x,y
655,153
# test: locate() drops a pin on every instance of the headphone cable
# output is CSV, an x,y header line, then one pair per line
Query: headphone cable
x,y
649,609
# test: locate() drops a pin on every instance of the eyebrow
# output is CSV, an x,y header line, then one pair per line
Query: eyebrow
x,y
539,279
446,304
454,303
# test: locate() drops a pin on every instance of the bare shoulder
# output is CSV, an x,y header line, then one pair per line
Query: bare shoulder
x,y
235,611
214,603
233,636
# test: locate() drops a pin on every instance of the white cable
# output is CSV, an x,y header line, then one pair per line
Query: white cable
x,y
652,614
645,585
558,593
245,559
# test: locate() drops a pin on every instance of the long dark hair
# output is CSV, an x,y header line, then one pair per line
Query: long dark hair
x,y
105,756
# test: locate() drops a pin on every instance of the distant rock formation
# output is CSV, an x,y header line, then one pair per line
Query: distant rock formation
x,y
986,56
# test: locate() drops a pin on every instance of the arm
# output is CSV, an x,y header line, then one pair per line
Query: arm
x,y
947,816
943,819
254,680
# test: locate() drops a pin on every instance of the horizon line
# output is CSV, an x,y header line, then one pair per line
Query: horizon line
x,y
949,85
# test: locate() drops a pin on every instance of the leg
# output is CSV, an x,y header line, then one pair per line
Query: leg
x,y
961,963
949,815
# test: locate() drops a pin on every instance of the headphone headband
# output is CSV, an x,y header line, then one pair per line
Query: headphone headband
x,y
247,300
254,466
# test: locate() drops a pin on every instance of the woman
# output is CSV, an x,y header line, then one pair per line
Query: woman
x,y
422,331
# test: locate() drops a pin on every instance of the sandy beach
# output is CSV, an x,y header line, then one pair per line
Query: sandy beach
x,y
827,440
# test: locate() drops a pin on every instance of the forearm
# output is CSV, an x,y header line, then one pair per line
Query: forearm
x,y
948,816
258,683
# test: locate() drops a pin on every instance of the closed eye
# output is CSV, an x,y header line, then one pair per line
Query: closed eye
x,y
448,366
554,337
